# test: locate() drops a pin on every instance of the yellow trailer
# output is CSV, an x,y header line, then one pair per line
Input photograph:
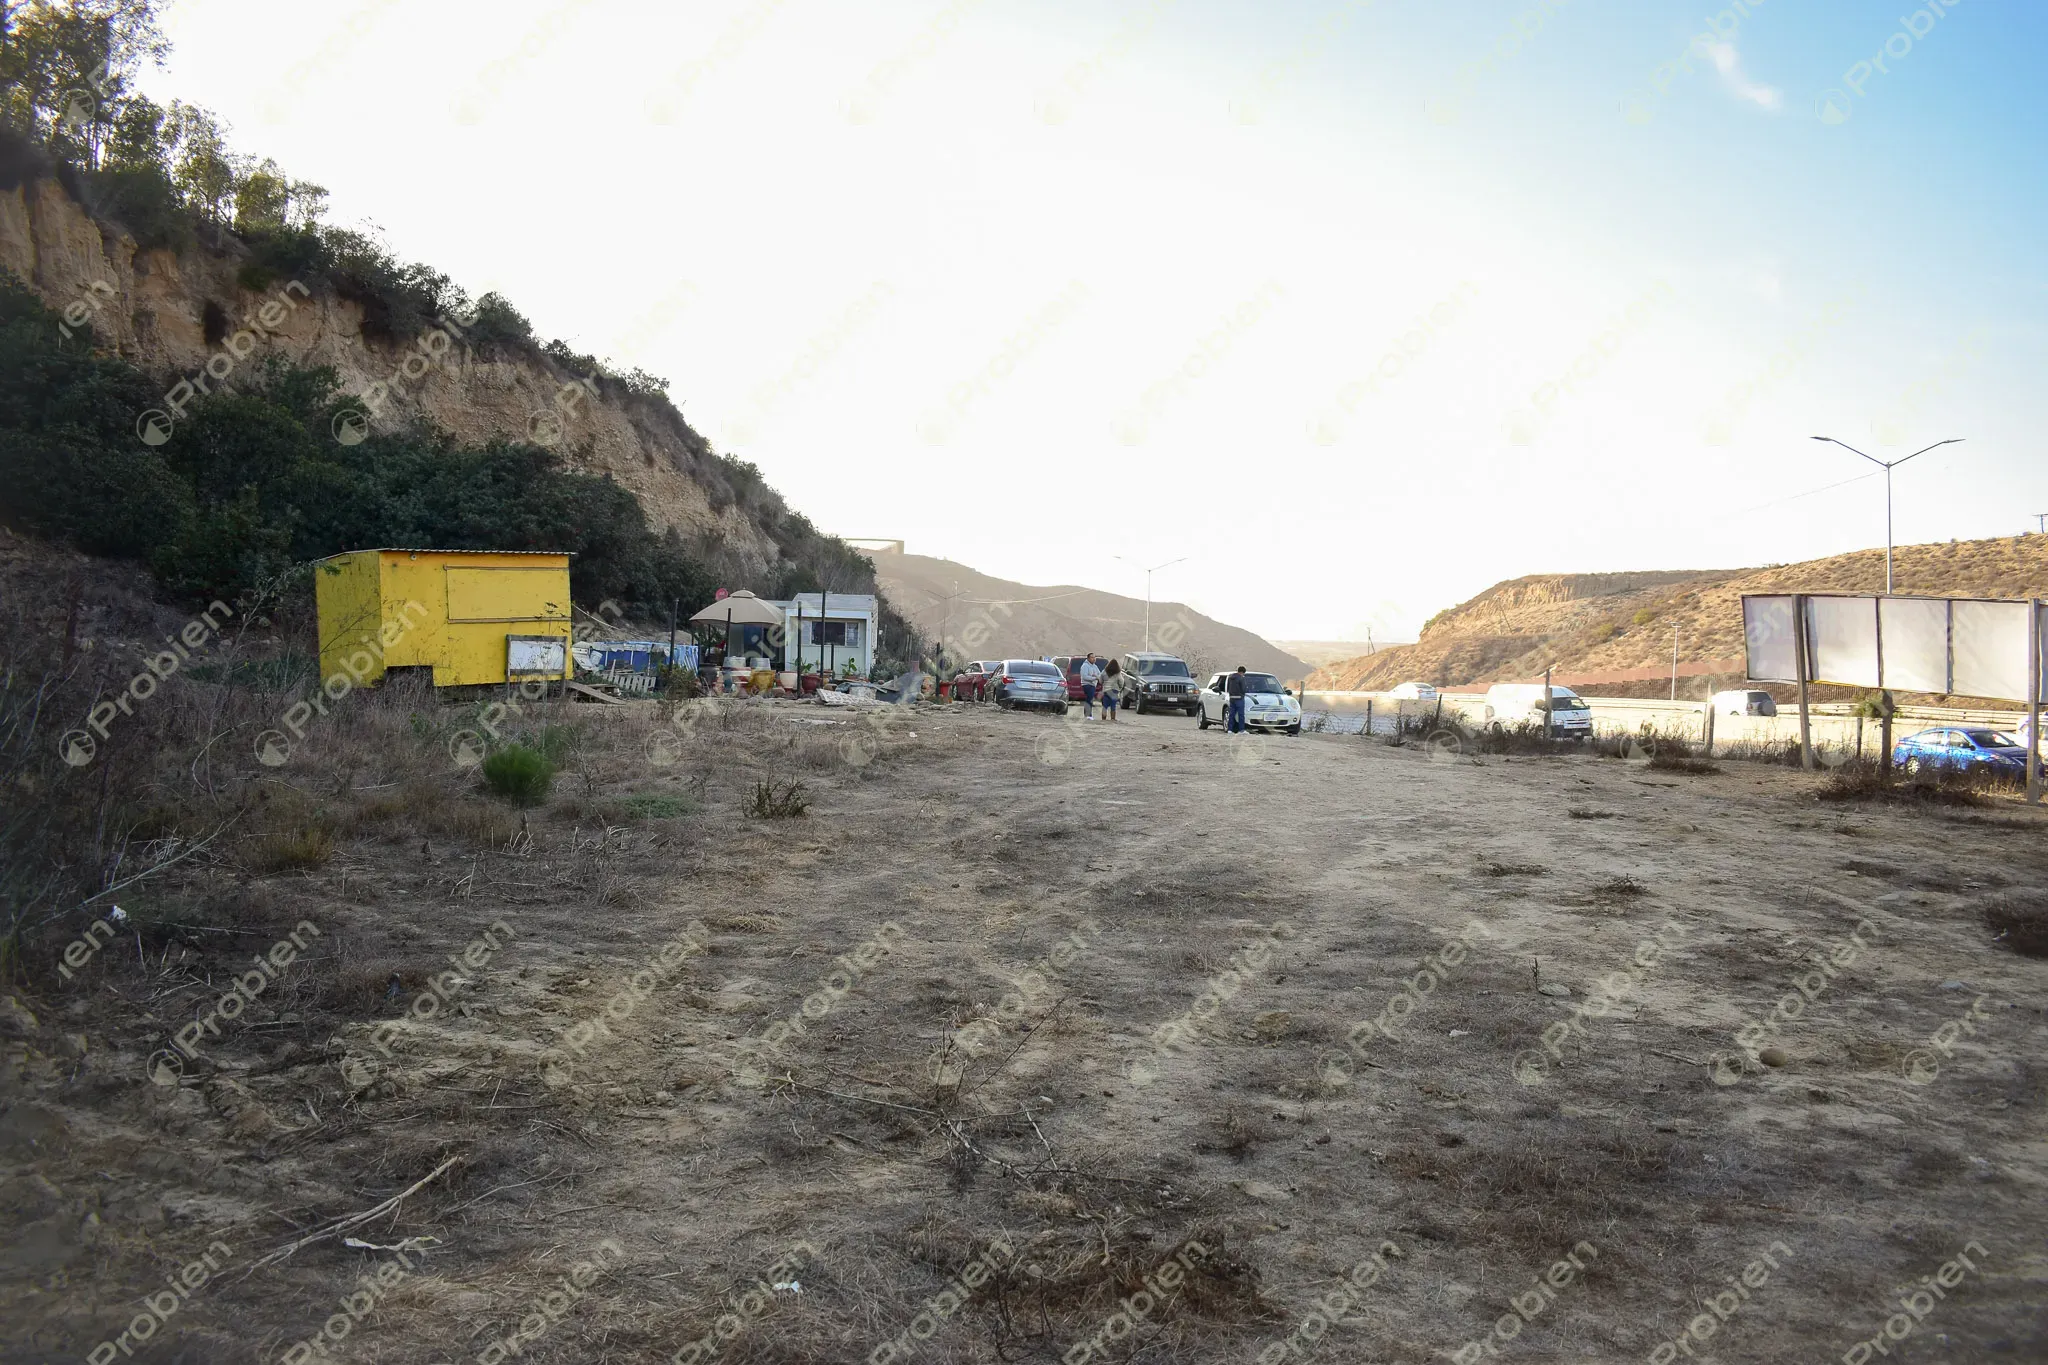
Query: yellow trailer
x,y
473,616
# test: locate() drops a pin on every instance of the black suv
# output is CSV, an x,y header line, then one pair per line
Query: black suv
x,y
1159,682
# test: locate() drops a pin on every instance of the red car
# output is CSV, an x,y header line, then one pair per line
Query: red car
x,y
1070,665
971,684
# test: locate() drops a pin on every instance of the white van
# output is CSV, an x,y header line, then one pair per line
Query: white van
x,y
1749,701
1512,704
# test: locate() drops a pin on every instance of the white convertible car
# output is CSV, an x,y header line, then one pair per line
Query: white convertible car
x,y
1267,705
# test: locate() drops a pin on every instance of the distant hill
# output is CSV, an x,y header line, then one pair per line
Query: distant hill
x,y
1605,623
1022,621
1320,653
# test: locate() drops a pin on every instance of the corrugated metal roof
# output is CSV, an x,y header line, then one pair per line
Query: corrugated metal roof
x,y
421,550
847,601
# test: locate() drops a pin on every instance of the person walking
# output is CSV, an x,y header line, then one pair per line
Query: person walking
x,y
1112,691
1091,679
1233,687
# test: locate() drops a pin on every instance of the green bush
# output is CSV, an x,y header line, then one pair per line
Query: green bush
x,y
519,774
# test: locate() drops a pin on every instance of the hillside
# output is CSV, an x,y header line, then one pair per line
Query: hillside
x,y
1026,622
1604,623
168,311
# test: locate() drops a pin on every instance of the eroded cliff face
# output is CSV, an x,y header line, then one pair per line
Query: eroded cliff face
x,y
152,307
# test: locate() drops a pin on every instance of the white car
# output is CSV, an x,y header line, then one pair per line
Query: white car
x,y
1267,705
1413,691
1511,704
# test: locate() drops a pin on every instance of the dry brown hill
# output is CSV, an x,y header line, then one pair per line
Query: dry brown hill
x,y
1599,623
164,310
1021,621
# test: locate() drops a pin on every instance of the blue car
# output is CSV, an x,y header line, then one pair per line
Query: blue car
x,y
1962,749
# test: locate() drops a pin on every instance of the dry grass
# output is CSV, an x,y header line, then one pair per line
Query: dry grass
x,y
1864,781
772,803
2019,920
287,852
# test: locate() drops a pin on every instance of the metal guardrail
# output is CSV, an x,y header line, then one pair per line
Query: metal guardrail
x,y
1931,715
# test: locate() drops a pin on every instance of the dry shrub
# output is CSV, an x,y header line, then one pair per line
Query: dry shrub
x,y
1665,762
471,821
2019,920
310,847
1861,780
771,803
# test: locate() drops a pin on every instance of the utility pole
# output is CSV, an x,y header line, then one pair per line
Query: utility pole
x,y
2040,523
1887,468
1148,590
1674,663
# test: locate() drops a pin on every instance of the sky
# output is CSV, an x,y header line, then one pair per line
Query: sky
x,y
1351,308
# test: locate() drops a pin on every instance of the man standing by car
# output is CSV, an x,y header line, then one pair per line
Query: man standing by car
x,y
1091,678
1233,687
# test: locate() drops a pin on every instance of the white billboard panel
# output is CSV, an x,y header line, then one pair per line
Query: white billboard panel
x,y
1841,635
1915,643
1767,634
1943,645
1990,649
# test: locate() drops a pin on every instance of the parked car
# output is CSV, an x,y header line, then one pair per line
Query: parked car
x,y
1412,691
1029,682
1744,701
1267,705
972,682
1510,704
1070,666
1963,750
1159,682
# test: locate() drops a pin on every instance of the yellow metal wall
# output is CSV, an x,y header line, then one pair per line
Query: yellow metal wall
x,y
533,600
345,594
395,606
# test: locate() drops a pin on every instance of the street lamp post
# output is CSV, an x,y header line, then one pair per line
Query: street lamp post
x,y
1148,590
1887,468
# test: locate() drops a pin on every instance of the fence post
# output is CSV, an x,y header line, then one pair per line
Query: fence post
x,y
1367,731
1707,728
1806,759
2033,701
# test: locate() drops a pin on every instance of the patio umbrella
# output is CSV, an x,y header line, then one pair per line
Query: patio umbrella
x,y
740,608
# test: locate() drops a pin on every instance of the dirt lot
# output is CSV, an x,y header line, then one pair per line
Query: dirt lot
x,y
704,1085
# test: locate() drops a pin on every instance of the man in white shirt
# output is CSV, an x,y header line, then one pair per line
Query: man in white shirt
x,y
1091,678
